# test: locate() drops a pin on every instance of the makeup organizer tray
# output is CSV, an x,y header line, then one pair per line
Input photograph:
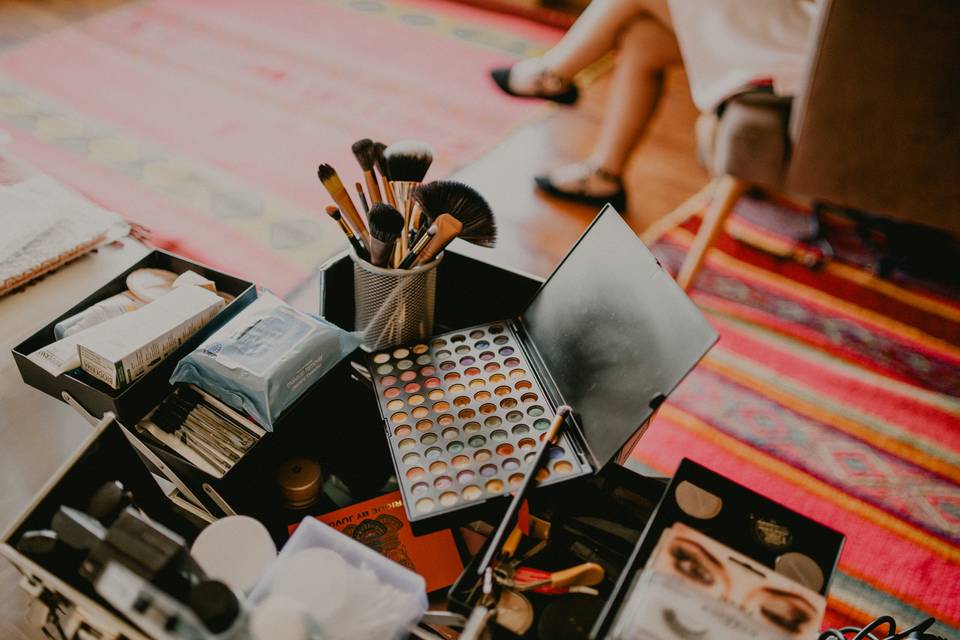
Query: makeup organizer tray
x,y
465,414
608,333
133,401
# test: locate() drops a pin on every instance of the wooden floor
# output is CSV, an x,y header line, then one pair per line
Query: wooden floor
x,y
535,230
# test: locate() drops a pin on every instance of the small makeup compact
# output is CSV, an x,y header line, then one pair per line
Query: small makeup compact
x,y
609,333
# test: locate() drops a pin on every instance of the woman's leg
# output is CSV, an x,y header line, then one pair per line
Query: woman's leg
x,y
598,30
646,48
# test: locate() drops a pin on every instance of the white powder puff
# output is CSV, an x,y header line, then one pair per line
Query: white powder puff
x,y
279,618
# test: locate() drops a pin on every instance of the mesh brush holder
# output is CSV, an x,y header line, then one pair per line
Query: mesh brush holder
x,y
393,306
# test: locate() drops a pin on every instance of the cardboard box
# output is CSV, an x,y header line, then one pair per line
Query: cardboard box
x,y
124,348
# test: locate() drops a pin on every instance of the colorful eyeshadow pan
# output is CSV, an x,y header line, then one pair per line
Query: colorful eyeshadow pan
x,y
464,410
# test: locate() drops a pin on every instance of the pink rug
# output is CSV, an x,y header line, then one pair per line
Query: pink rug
x,y
204,121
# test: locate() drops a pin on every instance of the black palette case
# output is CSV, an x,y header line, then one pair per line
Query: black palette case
x,y
609,333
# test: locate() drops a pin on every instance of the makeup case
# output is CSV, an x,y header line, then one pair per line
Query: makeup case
x,y
733,515
608,333
596,518
132,402
62,603
765,531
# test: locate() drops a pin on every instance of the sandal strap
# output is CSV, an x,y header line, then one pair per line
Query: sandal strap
x,y
550,83
609,176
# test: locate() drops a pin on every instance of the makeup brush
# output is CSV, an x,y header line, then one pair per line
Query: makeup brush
x,y
386,225
334,212
366,155
378,159
407,163
463,203
363,198
448,228
419,246
507,523
331,182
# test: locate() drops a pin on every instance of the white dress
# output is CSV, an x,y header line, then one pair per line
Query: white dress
x,y
730,44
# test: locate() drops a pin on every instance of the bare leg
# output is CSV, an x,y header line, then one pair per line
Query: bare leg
x,y
597,31
647,48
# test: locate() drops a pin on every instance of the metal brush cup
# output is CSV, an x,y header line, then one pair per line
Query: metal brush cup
x,y
393,306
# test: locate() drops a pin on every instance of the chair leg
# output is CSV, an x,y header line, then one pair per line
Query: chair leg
x,y
728,191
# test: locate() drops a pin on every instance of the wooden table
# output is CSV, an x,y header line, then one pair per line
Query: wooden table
x,y
38,432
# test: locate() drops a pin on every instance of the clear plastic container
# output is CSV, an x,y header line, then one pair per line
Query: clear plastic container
x,y
314,534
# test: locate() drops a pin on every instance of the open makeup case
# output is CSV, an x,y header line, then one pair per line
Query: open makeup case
x,y
449,421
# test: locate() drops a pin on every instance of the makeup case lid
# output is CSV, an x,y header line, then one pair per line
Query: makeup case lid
x,y
615,333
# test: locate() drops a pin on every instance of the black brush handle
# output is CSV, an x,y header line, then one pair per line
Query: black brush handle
x,y
359,249
506,525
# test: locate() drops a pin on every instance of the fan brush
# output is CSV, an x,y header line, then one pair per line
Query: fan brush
x,y
386,225
407,163
366,156
463,203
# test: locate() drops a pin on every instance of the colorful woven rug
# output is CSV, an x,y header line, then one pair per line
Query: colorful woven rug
x,y
838,394
205,121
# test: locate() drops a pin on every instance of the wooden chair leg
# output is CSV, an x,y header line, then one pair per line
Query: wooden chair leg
x,y
728,191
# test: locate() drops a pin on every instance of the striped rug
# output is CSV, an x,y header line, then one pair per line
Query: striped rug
x,y
838,394
205,121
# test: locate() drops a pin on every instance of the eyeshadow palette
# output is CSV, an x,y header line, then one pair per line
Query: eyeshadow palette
x,y
609,333
464,413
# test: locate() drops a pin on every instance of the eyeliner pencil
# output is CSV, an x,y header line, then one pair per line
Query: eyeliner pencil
x,y
508,518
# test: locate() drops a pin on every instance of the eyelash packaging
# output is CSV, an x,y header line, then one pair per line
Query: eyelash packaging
x,y
609,333
777,539
693,585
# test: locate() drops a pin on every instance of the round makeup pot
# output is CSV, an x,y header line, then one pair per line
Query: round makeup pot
x,y
300,482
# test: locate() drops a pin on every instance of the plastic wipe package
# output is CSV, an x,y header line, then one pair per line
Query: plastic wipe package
x,y
265,358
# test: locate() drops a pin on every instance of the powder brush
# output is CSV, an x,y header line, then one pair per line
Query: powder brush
x,y
365,153
448,228
407,163
462,202
386,225
331,182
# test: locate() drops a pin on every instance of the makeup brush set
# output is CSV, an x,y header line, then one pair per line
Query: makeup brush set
x,y
408,223
399,239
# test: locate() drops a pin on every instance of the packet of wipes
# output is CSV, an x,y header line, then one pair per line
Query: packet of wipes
x,y
265,358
